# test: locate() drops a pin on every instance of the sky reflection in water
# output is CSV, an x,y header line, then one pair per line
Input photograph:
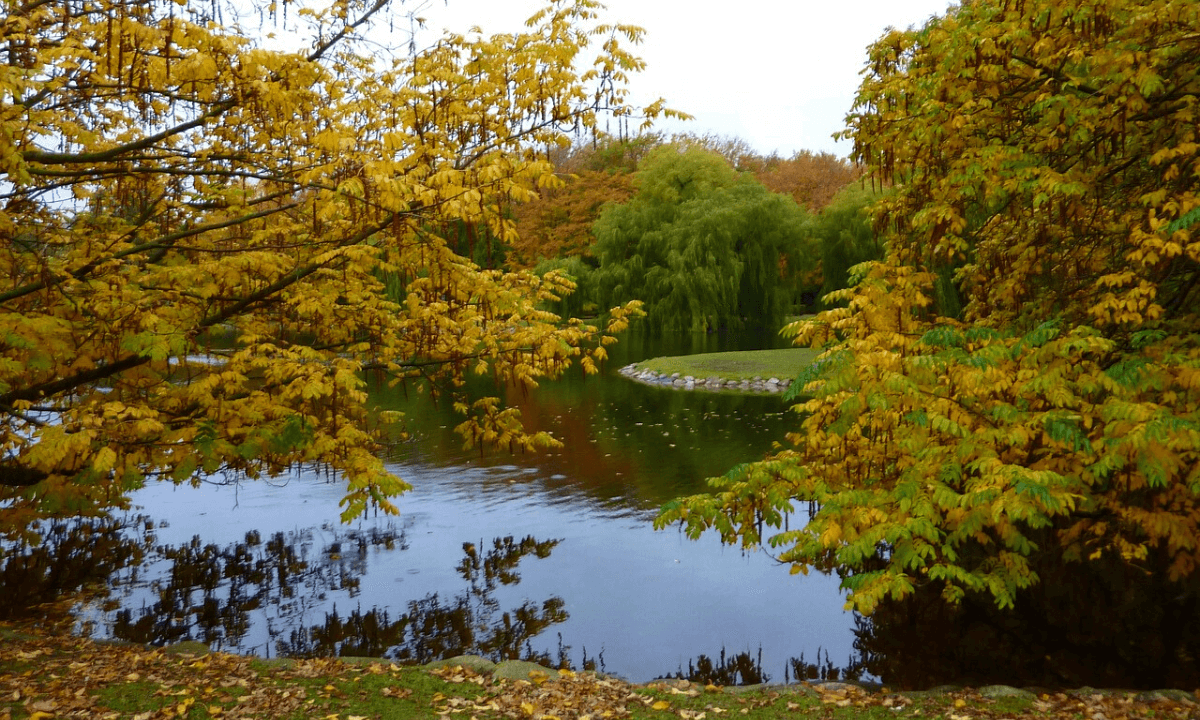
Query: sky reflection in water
x,y
649,601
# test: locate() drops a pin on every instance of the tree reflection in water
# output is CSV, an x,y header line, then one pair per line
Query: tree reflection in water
x,y
471,622
740,669
204,592
209,593
1102,623
233,597
72,556
215,595
746,669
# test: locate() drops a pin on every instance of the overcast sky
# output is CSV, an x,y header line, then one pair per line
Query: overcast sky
x,y
780,74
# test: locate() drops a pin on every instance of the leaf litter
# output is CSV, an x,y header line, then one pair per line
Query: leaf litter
x,y
53,676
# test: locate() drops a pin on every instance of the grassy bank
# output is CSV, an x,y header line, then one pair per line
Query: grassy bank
x,y
742,365
45,676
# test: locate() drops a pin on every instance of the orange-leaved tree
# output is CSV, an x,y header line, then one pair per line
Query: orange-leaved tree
x,y
197,229
813,179
558,223
1045,156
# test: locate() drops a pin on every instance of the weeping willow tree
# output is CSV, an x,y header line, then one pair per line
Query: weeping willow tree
x,y
702,246
842,232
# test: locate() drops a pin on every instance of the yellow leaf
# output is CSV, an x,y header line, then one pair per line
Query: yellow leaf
x,y
660,705
104,459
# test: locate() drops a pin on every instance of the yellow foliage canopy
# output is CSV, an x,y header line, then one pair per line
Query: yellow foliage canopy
x,y
168,183
1045,158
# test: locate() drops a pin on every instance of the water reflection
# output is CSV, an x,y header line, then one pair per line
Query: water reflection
x,y
218,594
208,593
648,601
73,556
278,594
1099,624
745,668
823,670
159,594
625,444
740,669
472,622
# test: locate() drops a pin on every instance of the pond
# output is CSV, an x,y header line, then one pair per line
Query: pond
x,y
549,556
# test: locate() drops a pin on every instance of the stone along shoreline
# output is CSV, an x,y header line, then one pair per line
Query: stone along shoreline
x,y
688,382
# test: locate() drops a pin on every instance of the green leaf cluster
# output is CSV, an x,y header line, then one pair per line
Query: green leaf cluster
x,y
843,234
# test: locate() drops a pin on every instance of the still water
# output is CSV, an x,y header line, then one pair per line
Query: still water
x,y
550,556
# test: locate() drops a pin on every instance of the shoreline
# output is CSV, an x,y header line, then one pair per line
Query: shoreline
x,y
46,673
677,381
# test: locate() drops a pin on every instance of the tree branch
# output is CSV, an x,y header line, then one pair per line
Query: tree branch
x,y
320,49
156,244
133,360
49,158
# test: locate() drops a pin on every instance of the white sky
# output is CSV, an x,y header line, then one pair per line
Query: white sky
x,y
780,74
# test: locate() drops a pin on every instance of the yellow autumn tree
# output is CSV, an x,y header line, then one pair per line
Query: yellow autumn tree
x,y
1045,159
194,231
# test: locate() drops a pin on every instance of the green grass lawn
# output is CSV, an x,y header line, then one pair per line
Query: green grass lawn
x,y
743,365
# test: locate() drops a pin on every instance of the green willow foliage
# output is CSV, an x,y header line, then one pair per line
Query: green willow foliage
x,y
842,231
702,246
1046,156
580,302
